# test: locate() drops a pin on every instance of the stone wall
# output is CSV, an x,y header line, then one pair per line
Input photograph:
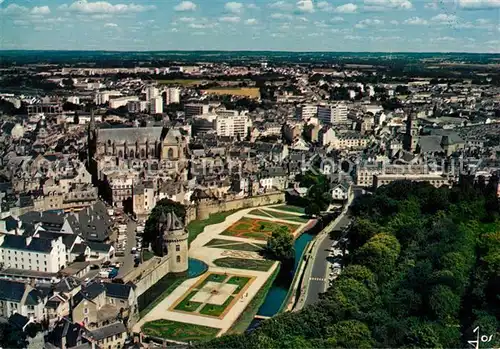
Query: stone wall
x,y
148,274
205,208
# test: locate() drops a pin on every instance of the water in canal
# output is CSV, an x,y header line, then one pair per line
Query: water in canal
x,y
277,294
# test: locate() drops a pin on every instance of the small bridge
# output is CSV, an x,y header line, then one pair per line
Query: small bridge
x,y
262,317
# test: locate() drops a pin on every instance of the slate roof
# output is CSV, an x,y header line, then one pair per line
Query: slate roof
x,y
108,331
34,297
120,291
130,134
67,284
90,292
17,242
430,144
92,223
99,247
65,329
79,248
48,218
11,291
18,320
10,223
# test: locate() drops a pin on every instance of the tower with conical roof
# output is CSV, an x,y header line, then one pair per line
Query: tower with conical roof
x,y
173,241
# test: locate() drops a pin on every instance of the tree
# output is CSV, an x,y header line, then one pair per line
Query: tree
x,y
280,245
350,334
379,253
162,206
312,210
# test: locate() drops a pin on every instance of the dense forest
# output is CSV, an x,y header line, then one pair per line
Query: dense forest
x,y
423,272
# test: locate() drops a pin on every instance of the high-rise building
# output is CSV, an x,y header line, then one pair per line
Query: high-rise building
x,y
156,105
333,114
307,111
172,95
151,92
235,125
196,109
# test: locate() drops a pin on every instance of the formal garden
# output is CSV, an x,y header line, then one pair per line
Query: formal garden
x,y
258,229
213,295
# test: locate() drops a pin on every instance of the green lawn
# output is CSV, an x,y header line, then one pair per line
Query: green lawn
x,y
290,208
147,255
196,227
247,316
179,331
232,245
174,282
255,228
187,305
279,215
216,310
239,263
216,277
240,281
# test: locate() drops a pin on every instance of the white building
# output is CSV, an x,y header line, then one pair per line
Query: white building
x,y
121,101
30,253
333,114
196,109
307,111
172,95
104,96
73,99
21,298
156,105
232,124
151,92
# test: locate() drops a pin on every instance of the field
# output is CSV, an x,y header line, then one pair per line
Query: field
x,y
280,215
214,295
196,227
258,229
234,245
179,331
182,82
251,92
239,263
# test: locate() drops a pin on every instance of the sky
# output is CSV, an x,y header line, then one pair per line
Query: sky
x,y
277,25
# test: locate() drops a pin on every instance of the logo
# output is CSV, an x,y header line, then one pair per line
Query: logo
x,y
479,339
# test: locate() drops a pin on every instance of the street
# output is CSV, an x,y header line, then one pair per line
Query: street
x,y
318,281
128,259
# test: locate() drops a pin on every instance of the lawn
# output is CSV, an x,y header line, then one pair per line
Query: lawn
x,y
232,245
196,227
216,310
187,305
259,229
170,286
280,215
290,208
251,92
239,263
179,331
211,277
241,281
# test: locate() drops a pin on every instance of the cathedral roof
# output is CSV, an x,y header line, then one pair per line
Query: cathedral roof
x,y
130,134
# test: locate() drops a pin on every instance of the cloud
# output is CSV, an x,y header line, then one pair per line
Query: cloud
x,y
482,21
324,6
337,19
14,9
251,21
186,19
416,21
347,8
444,18
202,25
278,15
442,39
253,6
305,6
478,4
353,37
230,19
42,10
281,5
369,23
234,7
431,5
394,22
185,6
111,25
382,5
103,7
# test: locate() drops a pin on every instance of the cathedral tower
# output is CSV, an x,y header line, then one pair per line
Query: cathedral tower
x,y
92,134
411,136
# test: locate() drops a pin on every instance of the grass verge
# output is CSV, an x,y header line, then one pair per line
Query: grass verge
x,y
234,245
187,305
179,331
196,227
247,316
248,264
240,281
214,309
290,208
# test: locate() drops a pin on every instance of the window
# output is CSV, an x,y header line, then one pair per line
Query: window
x,y
177,248
178,259
85,310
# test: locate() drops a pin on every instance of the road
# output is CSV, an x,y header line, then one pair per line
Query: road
x,y
318,281
128,259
